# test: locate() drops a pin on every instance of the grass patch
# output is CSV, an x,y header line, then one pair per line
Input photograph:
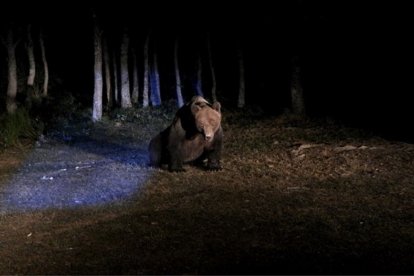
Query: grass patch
x,y
17,126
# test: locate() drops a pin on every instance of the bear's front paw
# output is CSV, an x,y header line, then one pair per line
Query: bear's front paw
x,y
214,168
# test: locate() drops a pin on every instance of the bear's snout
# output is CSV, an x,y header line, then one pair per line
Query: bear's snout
x,y
208,134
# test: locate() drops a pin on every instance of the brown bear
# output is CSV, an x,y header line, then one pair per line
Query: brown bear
x,y
194,135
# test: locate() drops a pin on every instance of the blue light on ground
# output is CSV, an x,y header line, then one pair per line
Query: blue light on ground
x,y
58,178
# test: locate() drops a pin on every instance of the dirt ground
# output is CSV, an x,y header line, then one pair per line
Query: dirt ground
x,y
295,196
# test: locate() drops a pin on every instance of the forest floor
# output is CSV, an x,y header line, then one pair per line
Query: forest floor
x,y
295,196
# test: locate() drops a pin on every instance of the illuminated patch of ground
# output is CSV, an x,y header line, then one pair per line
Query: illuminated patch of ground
x,y
83,172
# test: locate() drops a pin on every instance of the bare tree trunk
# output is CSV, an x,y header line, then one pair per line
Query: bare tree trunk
x,y
125,93
155,82
135,84
180,100
145,101
98,87
296,90
212,71
116,84
198,85
107,68
31,57
45,65
242,91
12,72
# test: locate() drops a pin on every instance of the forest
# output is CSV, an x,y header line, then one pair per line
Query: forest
x,y
317,160
346,67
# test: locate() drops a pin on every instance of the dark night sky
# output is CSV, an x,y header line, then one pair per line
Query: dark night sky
x,y
354,54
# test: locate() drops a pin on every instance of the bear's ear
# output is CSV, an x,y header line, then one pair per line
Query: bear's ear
x,y
217,106
195,108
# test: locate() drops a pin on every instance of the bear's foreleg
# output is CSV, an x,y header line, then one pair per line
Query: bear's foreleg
x,y
214,154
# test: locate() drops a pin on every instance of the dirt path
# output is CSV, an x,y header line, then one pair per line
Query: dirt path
x,y
291,199
81,171
54,187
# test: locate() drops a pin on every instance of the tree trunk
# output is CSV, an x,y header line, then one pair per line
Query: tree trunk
x,y
116,84
31,57
107,68
135,84
298,101
125,93
155,82
98,85
199,89
212,71
45,66
145,101
12,73
180,100
242,91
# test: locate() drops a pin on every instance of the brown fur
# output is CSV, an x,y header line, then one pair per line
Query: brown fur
x,y
195,134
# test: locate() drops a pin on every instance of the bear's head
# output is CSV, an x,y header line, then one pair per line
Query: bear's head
x,y
207,117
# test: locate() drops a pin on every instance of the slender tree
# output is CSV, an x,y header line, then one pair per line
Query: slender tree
x,y
180,100
125,92
145,90
135,84
98,87
296,90
10,45
198,84
116,83
31,57
212,71
107,69
155,82
45,65
242,91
